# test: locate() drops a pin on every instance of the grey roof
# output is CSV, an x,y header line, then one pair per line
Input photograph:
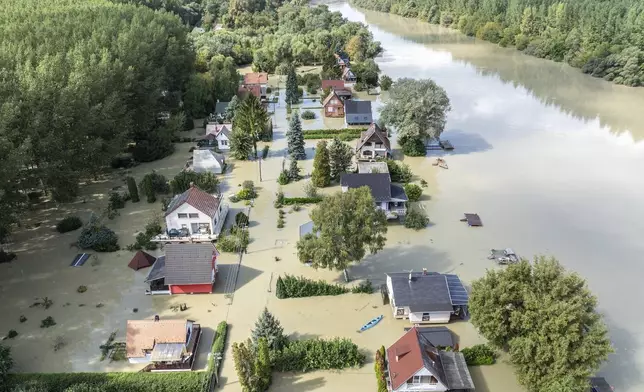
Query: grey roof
x,y
455,371
599,384
357,107
188,263
398,192
220,107
379,183
437,336
158,270
306,228
425,293
370,167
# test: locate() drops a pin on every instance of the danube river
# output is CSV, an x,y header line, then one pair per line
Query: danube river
x,y
551,159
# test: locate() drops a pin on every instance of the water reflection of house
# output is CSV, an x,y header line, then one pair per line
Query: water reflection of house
x,y
185,269
167,345
390,198
415,364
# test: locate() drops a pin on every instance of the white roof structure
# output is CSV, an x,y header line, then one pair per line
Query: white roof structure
x,y
207,161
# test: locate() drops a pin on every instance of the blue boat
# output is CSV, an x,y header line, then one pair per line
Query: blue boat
x,y
370,324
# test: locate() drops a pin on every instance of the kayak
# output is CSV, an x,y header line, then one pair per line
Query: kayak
x,y
370,324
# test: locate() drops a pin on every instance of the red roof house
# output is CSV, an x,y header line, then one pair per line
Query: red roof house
x,y
414,363
334,84
255,78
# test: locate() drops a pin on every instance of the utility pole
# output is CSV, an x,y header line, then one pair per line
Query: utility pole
x,y
259,162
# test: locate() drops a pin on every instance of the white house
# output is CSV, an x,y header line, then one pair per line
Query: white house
x,y
415,364
221,133
195,212
388,197
206,160
424,297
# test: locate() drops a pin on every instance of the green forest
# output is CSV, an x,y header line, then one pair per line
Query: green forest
x,y
604,38
86,81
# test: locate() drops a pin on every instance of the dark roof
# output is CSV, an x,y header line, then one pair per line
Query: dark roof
x,y
357,107
158,270
425,293
204,202
379,183
189,263
373,134
437,336
141,260
473,220
599,384
413,351
397,192
306,228
220,107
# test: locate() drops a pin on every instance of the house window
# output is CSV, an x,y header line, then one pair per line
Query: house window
x,y
365,118
182,216
330,109
400,312
425,316
417,379
184,226
367,144
223,142
334,101
193,216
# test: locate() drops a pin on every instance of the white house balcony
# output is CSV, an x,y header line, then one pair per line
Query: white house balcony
x,y
203,235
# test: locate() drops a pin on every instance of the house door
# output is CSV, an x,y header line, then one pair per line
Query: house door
x,y
425,317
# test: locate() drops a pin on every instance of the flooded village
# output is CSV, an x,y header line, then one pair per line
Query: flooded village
x,y
503,178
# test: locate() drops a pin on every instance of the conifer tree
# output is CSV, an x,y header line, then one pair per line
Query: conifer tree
x,y
294,170
292,95
321,175
244,365
295,138
340,155
132,189
268,327
263,366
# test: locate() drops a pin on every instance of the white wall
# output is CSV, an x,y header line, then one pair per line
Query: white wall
x,y
434,317
221,137
423,387
145,359
173,221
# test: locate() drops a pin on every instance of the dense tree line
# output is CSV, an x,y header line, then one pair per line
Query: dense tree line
x,y
603,38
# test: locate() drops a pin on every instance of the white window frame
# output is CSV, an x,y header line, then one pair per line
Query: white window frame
x,y
193,215
182,215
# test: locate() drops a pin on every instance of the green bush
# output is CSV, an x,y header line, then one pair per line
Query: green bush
x,y
220,339
413,147
70,223
279,199
283,178
399,172
234,241
280,223
290,286
480,354
81,289
217,349
241,219
12,334
380,369
363,288
116,382
98,237
116,201
317,354
307,115
206,181
343,133
413,192
385,82
47,322
153,184
265,152
122,161
416,220
301,200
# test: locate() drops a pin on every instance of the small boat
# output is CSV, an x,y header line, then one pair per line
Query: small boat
x,y
370,324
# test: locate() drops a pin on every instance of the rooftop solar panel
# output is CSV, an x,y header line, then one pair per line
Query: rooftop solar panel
x,y
457,291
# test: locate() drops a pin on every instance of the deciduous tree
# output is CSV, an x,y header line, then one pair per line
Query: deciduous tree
x,y
321,175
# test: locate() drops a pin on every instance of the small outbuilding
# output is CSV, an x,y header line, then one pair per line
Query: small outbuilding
x,y
365,167
206,160
141,260
472,220
357,112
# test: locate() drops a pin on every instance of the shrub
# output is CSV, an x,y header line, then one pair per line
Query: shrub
x,y
144,239
265,152
343,133
380,369
279,199
235,241
385,82
215,357
122,161
399,172
132,189
413,192
245,194
359,86
23,318
317,354
423,183
241,219
363,288
310,190
220,340
12,334
296,207
413,147
6,257
81,289
153,184
206,181
48,322
70,223
416,220
116,200
98,237
283,178
297,287
301,200
307,115
480,354
280,223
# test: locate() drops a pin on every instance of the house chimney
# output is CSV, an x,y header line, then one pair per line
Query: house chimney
x,y
410,271
424,271
192,184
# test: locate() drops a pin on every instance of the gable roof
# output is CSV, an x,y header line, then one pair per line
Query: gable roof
x,y
189,263
379,183
437,336
157,271
203,201
347,73
216,129
357,107
413,352
220,107
330,96
333,84
256,78
373,133
425,293
141,260
143,335
398,192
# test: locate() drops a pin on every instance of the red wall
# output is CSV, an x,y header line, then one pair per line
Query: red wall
x,y
191,288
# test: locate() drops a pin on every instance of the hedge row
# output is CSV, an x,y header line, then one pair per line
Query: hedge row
x,y
345,137
333,132
298,286
116,382
317,354
217,349
380,369
301,200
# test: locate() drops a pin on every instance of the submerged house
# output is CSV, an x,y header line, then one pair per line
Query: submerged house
x,y
426,297
194,215
415,364
170,345
338,87
348,76
373,143
206,160
255,83
357,112
333,105
220,133
388,197
185,269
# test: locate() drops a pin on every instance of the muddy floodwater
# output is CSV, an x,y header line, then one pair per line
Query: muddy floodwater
x,y
551,160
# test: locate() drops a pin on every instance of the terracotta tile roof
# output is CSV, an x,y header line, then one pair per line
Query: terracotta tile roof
x,y
335,84
373,134
256,78
142,335
203,201
331,95
404,358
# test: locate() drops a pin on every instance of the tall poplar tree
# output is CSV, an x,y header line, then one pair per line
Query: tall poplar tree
x,y
321,175
292,95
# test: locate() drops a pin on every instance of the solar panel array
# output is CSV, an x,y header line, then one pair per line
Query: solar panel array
x,y
457,291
